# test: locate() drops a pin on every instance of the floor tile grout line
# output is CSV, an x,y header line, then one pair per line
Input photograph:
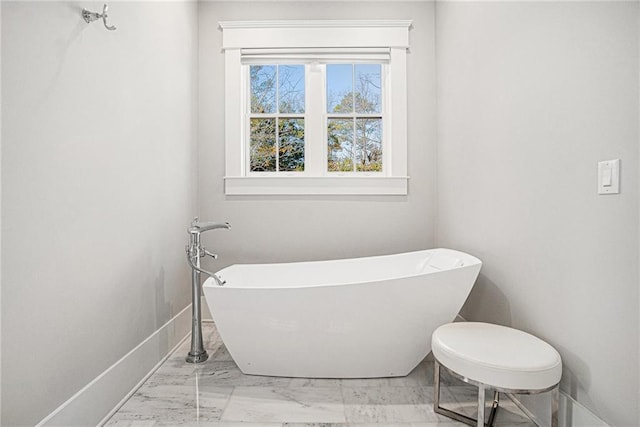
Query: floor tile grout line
x,y
344,402
226,404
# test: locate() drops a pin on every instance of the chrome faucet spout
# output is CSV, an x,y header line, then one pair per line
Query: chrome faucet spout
x,y
198,227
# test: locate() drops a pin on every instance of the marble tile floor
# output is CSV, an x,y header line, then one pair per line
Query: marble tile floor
x,y
216,394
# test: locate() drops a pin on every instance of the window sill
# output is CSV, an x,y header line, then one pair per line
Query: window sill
x,y
302,185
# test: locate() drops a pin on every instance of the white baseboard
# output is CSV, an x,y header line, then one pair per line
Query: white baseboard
x,y
97,401
571,413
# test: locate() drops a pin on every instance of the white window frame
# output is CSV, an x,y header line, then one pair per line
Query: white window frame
x,y
331,37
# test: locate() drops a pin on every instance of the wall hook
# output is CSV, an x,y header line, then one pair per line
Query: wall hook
x,y
93,16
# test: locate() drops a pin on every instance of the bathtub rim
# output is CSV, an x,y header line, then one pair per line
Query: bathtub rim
x,y
469,262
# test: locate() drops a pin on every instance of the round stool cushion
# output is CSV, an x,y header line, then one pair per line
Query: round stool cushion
x,y
497,355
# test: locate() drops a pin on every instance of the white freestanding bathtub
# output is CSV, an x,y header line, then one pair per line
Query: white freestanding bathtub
x,y
352,318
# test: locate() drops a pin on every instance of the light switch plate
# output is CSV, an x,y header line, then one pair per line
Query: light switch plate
x,y
609,177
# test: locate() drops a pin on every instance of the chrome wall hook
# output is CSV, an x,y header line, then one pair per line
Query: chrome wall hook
x,y
93,16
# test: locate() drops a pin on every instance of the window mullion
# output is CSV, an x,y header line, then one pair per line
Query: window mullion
x,y
314,121
354,148
354,156
277,129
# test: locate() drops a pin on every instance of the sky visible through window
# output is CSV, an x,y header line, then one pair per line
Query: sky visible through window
x,y
340,80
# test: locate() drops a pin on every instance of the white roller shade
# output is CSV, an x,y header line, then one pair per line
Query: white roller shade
x,y
310,55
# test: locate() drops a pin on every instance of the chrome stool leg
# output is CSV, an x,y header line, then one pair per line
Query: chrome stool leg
x,y
480,406
555,405
494,407
436,386
479,421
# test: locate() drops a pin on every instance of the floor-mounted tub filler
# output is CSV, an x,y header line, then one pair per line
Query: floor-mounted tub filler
x,y
351,318
195,251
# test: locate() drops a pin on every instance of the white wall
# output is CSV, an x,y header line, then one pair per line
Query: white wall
x,y
530,96
0,222
98,187
272,228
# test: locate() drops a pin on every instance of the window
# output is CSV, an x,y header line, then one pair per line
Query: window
x,y
276,118
349,103
306,112
354,118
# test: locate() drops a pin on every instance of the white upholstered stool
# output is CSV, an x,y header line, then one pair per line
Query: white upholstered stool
x,y
498,358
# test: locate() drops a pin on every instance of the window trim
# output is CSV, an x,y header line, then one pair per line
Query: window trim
x,y
326,35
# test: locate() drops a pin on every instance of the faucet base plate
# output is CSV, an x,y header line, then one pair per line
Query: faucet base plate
x,y
197,358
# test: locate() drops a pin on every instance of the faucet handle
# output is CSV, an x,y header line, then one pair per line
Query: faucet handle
x,y
212,255
195,221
